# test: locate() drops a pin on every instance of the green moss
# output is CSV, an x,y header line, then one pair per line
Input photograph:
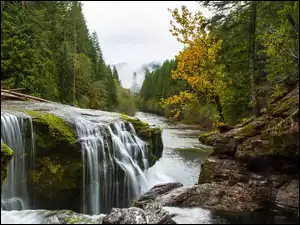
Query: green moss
x,y
251,129
5,149
56,174
152,135
73,220
133,202
6,157
286,105
207,138
58,128
142,129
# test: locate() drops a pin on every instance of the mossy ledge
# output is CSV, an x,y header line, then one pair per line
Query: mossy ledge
x,y
6,157
58,128
56,178
150,134
272,135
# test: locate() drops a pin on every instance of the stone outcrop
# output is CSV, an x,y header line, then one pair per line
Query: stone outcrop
x,y
261,155
217,196
150,134
6,156
151,214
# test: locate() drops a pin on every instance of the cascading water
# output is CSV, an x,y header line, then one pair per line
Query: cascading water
x,y
112,173
17,133
113,157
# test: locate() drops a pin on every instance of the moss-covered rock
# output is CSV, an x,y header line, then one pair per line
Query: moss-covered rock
x,y
207,138
150,134
286,105
52,129
255,152
6,157
55,180
57,175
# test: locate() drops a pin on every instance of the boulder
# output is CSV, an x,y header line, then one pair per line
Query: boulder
x,y
151,214
287,197
216,195
6,157
150,134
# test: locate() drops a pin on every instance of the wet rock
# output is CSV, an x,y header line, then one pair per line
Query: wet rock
x,y
156,191
216,195
125,216
151,214
218,170
70,217
6,157
150,134
155,214
287,196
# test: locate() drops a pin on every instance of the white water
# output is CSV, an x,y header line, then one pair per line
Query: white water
x,y
111,155
47,217
17,133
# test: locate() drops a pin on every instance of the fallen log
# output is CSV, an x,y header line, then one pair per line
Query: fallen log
x,y
10,96
15,89
19,96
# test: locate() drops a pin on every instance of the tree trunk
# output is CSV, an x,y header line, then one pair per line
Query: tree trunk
x,y
252,63
74,72
219,108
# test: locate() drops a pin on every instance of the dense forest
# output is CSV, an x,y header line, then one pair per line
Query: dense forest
x,y
231,64
47,50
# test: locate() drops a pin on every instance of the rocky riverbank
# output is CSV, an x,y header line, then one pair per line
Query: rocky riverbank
x,y
260,158
254,166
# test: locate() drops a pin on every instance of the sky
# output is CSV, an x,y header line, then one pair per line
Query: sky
x,y
133,34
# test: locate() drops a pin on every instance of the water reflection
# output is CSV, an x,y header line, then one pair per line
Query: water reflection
x,y
176,161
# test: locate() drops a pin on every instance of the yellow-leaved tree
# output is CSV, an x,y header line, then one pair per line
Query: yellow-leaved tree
x,y
197,62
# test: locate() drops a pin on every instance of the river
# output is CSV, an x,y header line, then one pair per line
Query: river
x,y
180,162
182,155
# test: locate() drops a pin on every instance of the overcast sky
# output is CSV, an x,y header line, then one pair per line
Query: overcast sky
x,y
134,33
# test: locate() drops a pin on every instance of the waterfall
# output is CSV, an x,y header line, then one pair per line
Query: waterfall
x,y
112,156
17,133
114,159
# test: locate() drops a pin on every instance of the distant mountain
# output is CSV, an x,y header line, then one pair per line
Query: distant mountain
x,y
151,66
120,65
127,69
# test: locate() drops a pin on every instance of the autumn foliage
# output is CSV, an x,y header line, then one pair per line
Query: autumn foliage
x,y
197,62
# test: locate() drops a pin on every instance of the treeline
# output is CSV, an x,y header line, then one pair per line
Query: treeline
x,y
47,49
159,85
234,62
